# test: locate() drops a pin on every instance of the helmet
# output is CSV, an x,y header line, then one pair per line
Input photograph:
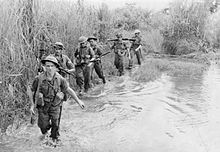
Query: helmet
x,y
42,50
137,31
82,39
59,45
118,35
92,38
52,59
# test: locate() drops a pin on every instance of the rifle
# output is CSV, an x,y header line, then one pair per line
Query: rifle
x,y
127,39
98,58
124,39
65,71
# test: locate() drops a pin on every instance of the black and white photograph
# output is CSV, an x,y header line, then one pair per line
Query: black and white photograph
x,y
109,75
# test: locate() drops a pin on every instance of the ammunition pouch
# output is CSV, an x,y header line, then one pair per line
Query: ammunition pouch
x,y
40,101
46,107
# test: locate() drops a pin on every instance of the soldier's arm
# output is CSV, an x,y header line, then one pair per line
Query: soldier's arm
x,y
66,88
30,96
74,96
30,92
92,54
139,44
70,65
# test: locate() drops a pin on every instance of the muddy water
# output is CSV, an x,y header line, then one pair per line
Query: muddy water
x,y
171,114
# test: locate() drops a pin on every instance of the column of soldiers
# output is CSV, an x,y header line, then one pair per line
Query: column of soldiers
x,y
50,87
121,49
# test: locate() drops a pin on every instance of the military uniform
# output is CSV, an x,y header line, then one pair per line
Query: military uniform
x,y
41,56
120,49
65,63
49,107
135,44
97,64
83,67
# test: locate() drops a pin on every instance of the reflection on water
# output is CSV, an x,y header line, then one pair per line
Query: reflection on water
x,y
175,114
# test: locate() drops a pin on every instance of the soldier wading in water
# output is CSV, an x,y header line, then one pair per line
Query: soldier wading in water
x,y
48,91
83,55
120,49
98,53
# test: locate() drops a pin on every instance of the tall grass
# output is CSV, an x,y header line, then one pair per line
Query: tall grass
x,y
153,69
185,27
28,25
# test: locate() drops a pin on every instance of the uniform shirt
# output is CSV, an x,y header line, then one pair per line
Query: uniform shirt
x,y
135,44
97,51
40,66
83,55
49,88
65,62
119,47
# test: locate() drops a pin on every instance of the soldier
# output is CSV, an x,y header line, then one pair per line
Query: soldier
x,y
98,52
48,91
63,60
120,50
83,55
136,48
42,55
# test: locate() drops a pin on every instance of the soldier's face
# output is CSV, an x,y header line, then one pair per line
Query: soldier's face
x,y
92,42
50,67
83,44
58,51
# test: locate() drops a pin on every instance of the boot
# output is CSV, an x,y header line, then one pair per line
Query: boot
x,y
103,80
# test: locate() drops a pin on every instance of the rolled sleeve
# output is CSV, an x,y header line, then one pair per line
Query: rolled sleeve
x,y
64,85
69,63
99,51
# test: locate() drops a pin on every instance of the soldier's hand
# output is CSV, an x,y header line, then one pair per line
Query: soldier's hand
x,y
60,95
32,109
68,70
81,104
40,95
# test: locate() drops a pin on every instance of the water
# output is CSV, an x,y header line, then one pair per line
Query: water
x,y
171,114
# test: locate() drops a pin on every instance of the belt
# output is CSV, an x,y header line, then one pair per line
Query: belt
x,y
48,100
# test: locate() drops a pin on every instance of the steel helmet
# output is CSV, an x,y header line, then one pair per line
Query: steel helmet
x,y
92,38
59,45
82,39
137,31
52,59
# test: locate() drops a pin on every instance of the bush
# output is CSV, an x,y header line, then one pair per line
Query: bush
x,y
185,27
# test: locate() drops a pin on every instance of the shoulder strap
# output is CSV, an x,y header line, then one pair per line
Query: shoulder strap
x,y
40,79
